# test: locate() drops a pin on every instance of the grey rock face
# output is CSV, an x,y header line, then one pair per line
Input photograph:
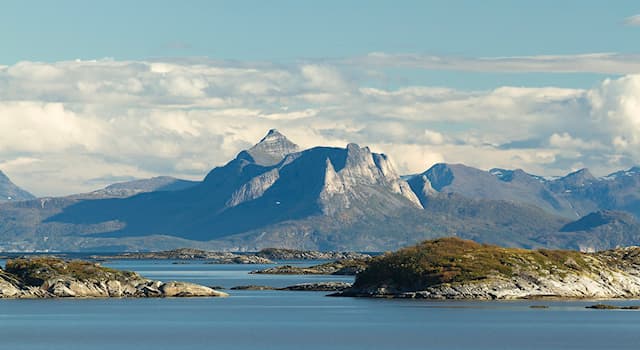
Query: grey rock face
x,y
272,149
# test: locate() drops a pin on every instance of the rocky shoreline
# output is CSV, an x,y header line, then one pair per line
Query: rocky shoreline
x,y
50,277
452,268
305,287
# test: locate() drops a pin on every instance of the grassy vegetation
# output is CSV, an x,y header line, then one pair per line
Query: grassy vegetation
x,y
34,271
450,260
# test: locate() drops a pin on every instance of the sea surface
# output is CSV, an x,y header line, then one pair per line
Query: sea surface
x,y
302,320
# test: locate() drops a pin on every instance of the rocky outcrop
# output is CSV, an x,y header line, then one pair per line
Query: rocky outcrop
x,y
294,254
191,254
49,277
339,267
452,268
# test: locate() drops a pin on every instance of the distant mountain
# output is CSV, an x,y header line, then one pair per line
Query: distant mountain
x,y
10,192
326,198
571,196
497,184
322,184
130,188
600,230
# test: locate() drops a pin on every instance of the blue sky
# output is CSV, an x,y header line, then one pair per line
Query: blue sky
x,y
92,92
294,30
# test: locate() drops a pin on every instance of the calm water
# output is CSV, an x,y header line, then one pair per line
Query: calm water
x,y
302,320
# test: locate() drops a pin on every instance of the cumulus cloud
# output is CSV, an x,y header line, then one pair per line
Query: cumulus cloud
x,y
633,21
72,126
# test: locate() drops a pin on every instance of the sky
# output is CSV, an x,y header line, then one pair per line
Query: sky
x,y
97,92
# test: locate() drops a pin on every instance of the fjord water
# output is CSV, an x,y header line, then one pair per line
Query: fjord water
x,y
297,320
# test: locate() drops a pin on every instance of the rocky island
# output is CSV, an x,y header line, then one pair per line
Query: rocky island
x,y
50,277
452,268
295,254
339,267
190,254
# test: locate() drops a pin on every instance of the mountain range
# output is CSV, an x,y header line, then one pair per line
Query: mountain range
x,y
328,198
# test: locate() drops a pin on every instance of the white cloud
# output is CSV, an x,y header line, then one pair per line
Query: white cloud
x,y
70,126
633,21
603,63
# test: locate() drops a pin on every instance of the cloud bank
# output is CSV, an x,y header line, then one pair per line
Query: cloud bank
x,y
74,126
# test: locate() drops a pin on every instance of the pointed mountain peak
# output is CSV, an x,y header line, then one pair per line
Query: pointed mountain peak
x,y
583,173
272,148
273,134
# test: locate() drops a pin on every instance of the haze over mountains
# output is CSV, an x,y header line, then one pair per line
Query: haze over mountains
x,y
275,194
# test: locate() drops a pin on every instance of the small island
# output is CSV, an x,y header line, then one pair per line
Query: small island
x,y
338,267
190,254
453,268
50,277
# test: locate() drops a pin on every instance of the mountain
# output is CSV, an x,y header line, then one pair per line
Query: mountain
x,y
572,196
327,198
497,184
322,185
10,192
600,230
131,188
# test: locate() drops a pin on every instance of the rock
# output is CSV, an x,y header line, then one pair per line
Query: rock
x,y
612,307
319,287
48,277
185,289
253,287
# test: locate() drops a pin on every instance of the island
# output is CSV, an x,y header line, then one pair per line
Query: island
x,y
338,267
264,256
453,268
51,277
295,254
190,254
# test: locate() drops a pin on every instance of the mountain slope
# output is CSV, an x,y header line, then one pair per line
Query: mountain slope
x,y
10,192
